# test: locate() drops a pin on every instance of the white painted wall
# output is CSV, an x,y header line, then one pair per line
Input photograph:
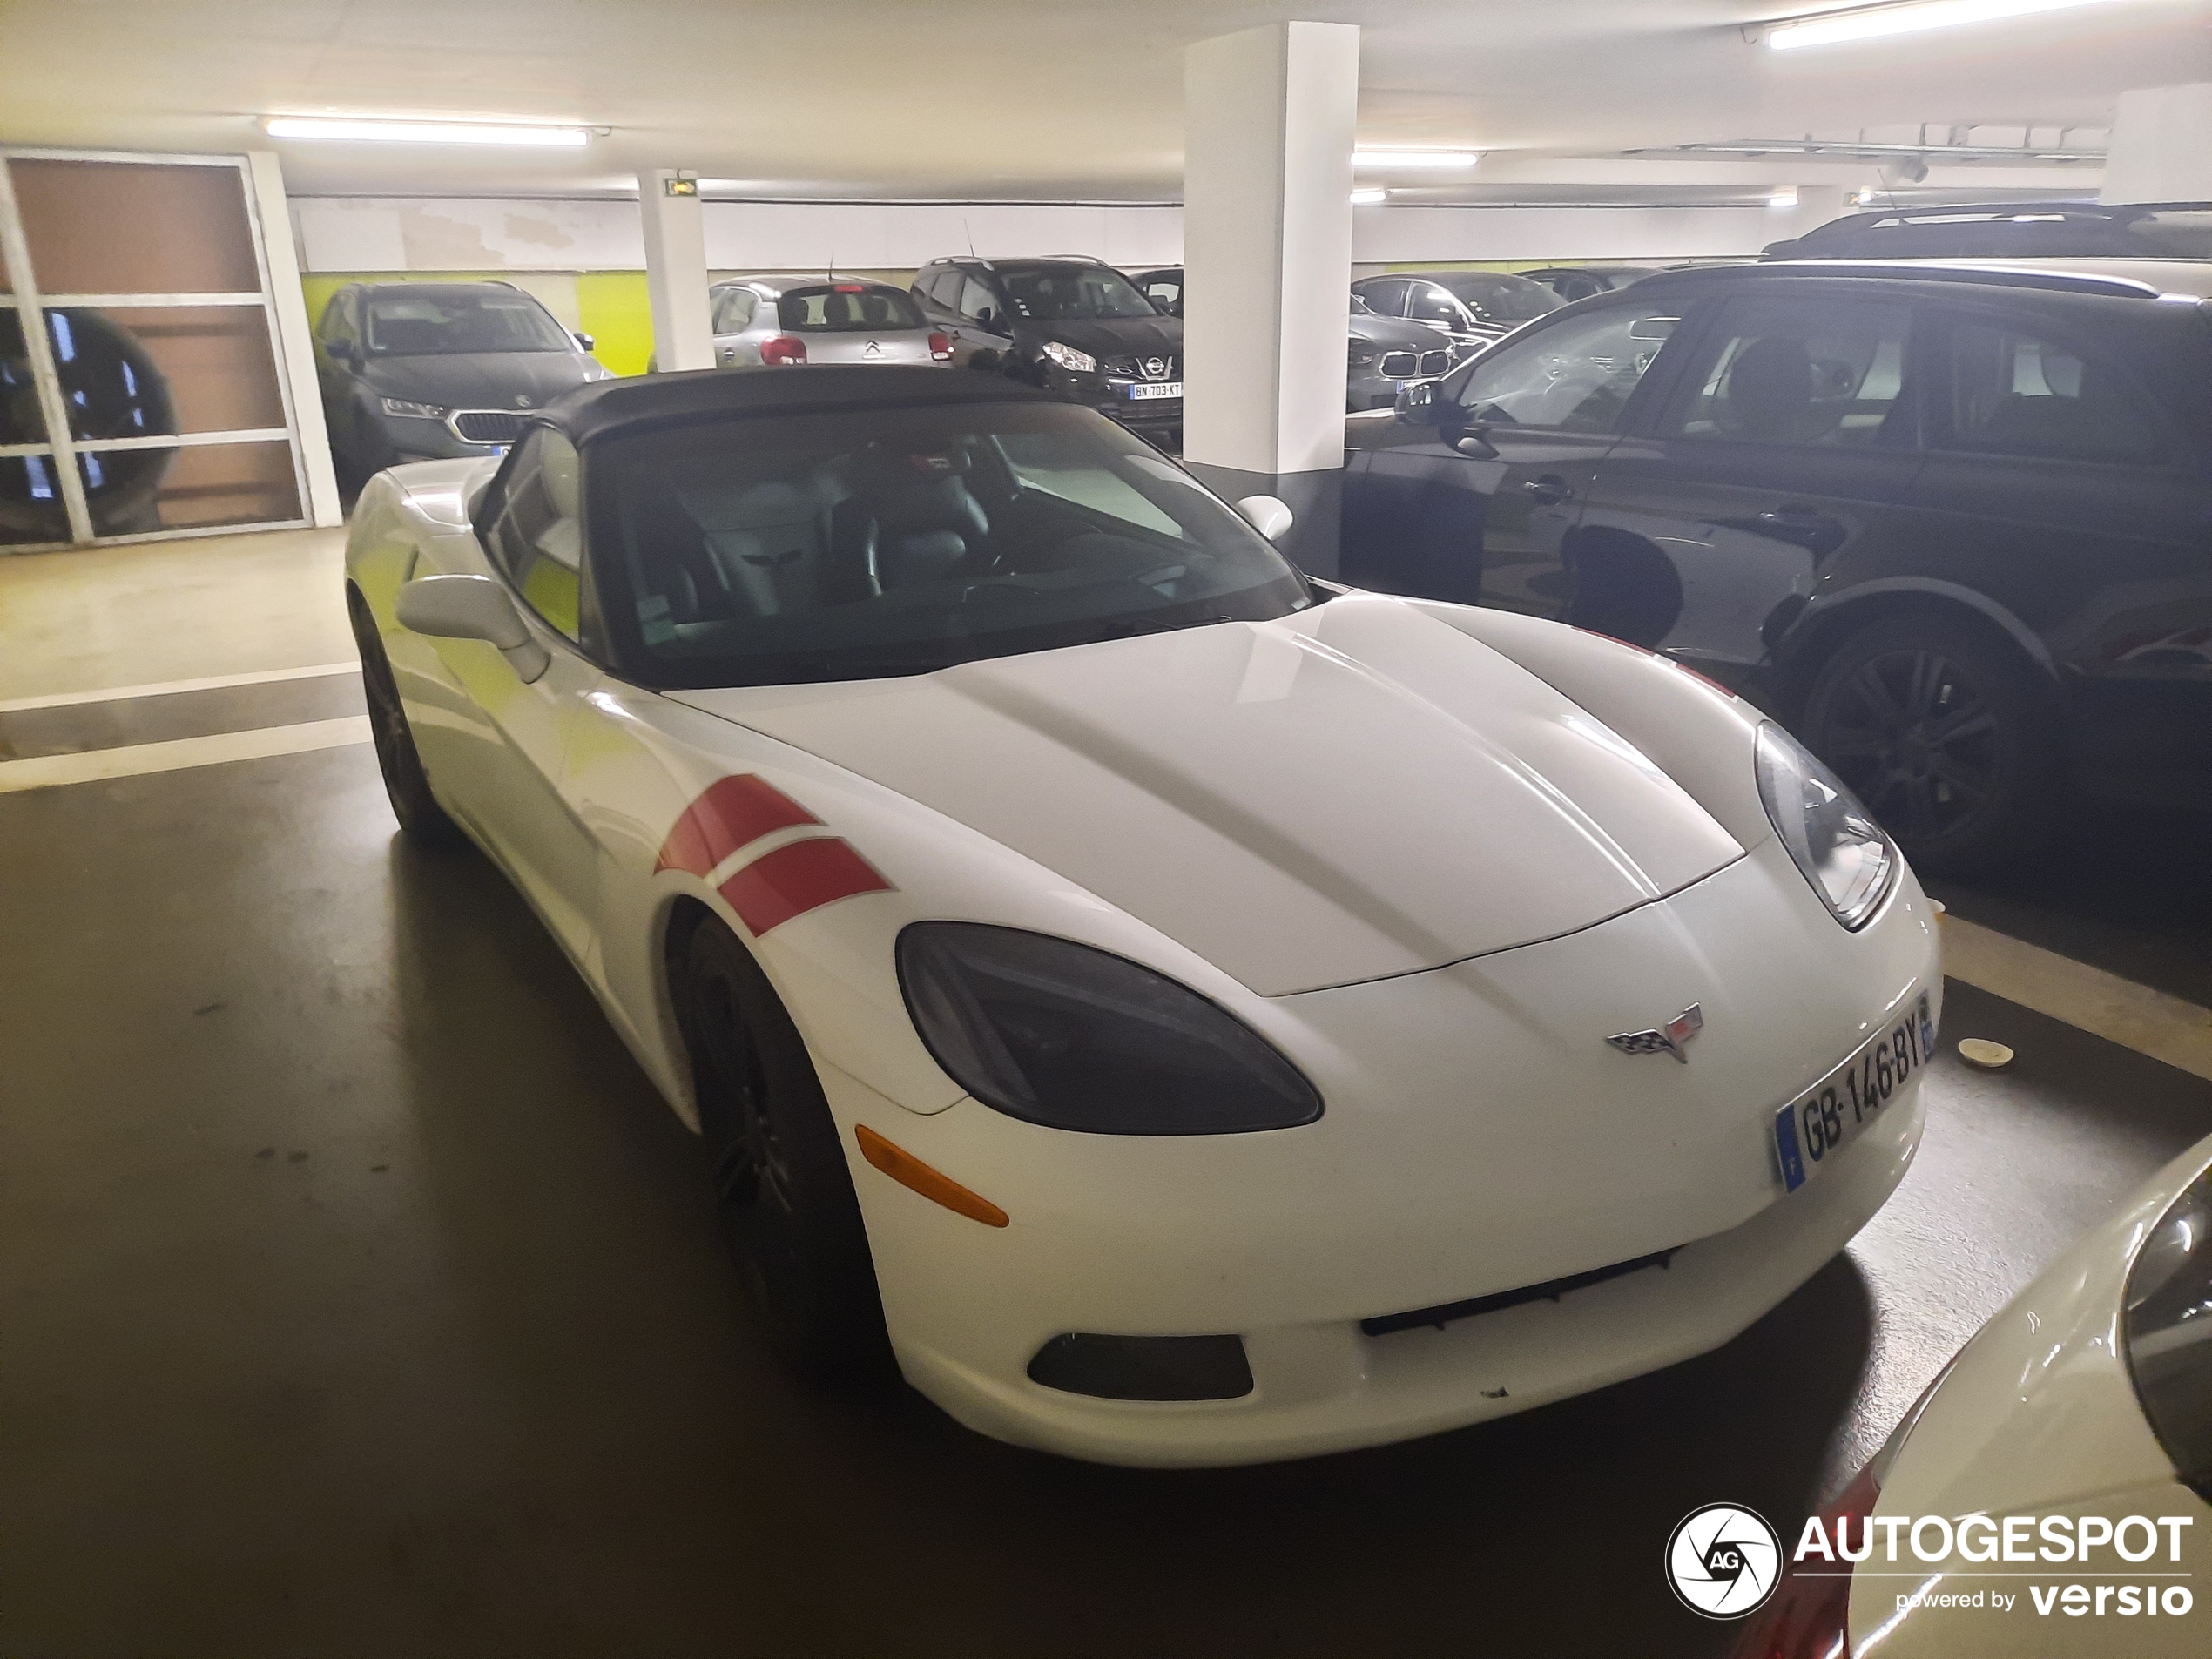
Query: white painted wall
x,y
367,234
2162,145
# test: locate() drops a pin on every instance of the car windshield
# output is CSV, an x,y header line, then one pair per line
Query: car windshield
x,y
846,307
771,548
1506,299
1059,292
429,325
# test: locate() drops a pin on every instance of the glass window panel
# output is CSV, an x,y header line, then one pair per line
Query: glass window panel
x,y
149,372
21,419
1799,370
135,227
1576,376
2013,393
30,501
133,492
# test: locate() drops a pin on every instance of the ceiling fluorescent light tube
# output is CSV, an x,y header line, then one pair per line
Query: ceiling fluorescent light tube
x,y
1872,23
1369,198
369,131
1437,158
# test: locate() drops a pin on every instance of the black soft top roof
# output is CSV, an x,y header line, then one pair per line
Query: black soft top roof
x,y
705,394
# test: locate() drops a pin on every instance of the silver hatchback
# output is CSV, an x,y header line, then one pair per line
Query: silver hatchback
x,y
785,321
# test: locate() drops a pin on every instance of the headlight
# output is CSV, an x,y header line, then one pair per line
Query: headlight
x,y
1063,1035
419,411
2168,1331
1076,362
1358,359
1833,838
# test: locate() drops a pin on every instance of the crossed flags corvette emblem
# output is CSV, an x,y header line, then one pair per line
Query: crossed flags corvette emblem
x,y
1668,1038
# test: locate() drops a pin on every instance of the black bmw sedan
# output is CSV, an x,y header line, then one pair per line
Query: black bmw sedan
x,y
1954,523
425,371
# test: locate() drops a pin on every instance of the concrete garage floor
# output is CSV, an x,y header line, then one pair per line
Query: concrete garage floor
x,y
358,1297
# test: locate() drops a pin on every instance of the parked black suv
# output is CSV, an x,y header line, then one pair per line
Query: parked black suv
x,y
425,371
1073,325
1956,525
2010,230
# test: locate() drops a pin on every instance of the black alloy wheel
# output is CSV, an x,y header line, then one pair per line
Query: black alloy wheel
x,y
782,1189
421,819
1944,737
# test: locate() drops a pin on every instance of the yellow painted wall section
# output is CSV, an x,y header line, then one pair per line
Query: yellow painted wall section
x,y
613,307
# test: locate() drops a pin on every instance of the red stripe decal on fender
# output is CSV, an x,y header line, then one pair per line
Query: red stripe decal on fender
x,y
730,813
797,878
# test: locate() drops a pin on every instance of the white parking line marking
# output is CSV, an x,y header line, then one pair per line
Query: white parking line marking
x,y
169,688
48,771
2117,1009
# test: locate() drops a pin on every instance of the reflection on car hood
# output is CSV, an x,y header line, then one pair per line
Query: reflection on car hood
x,y
1392,334
1107,336
1354,792
481,380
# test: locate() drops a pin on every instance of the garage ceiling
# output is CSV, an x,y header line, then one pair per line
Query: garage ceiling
x,y
1013,98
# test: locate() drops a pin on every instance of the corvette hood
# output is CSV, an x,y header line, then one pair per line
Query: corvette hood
x,y
1354,792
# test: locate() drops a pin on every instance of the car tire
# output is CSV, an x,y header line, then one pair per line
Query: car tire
x,y
1945,735
421,819
783,1190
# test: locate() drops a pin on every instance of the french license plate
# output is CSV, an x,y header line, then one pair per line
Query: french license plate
x,y
1809,1132
1156,388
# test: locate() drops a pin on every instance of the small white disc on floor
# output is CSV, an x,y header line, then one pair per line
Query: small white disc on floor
x,y
1979,1051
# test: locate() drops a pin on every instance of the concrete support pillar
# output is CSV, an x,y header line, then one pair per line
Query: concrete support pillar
x,y
1268,119
675,273
2161,149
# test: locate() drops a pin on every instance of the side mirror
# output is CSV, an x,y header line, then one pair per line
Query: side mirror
x,y
1268,514
583,340
1418,405
472,607
344,351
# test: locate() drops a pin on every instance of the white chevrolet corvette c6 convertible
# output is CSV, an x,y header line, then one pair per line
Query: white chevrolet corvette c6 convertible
x,y
1182,1012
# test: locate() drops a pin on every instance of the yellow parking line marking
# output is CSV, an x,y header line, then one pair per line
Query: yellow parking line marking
x,y
2119,1010
170,688
49,771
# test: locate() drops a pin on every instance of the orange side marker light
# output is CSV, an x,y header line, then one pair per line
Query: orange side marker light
x,y
909,1170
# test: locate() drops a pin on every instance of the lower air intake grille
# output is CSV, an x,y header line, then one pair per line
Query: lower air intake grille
x,y
1551,1292
488,426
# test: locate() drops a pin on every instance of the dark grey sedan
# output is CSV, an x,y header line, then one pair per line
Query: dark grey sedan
x,y
425,371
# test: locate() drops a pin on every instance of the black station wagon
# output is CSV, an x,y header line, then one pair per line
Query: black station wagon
x,y
1955,524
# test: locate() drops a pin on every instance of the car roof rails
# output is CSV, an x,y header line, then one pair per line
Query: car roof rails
x,y
1995,274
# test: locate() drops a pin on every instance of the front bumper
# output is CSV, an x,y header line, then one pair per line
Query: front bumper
x,y
1464,1153
421,438
1110,395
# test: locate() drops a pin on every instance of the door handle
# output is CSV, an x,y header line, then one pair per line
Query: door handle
x,y
1796,518
1549,489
